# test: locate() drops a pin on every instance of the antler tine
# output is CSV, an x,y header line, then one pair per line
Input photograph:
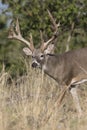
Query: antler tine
x,y
18,27
16,34
11,31
50,40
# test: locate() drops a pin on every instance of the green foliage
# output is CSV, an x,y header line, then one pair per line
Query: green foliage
x,y
33,17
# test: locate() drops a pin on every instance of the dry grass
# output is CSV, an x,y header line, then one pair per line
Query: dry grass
x,y
26,104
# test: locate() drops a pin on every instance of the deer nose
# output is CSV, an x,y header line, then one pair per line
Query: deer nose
x,y
34,65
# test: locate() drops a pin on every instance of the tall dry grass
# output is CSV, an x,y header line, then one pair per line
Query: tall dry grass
x,y
26,104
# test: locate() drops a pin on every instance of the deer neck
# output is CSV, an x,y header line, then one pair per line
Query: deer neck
x,y
51,65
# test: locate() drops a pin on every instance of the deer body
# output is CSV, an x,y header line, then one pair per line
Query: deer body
x,y
68,69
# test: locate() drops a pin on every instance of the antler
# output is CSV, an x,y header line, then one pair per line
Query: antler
x,y
16,34
55,25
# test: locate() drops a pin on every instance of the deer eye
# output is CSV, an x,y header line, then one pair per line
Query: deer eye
x,y
42,56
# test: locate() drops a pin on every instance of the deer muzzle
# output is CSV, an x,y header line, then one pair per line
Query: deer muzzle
x,y
34,65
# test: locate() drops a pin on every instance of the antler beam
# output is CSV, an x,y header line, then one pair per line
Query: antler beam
x,y
55,25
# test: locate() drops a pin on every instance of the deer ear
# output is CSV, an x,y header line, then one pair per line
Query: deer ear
x,y
27,51
49,49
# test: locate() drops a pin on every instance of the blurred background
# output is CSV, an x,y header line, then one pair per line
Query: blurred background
x,y
33,17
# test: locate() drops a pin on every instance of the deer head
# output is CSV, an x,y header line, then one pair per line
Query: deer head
x,y
39,55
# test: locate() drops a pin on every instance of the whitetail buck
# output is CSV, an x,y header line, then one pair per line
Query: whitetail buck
x,y
68,69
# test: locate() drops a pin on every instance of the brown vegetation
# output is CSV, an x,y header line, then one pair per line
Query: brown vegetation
x,y
26,103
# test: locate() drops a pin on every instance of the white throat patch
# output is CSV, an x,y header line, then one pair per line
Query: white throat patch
x,y
44,67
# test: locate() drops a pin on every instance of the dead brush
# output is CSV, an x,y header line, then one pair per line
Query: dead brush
x,y
28,104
